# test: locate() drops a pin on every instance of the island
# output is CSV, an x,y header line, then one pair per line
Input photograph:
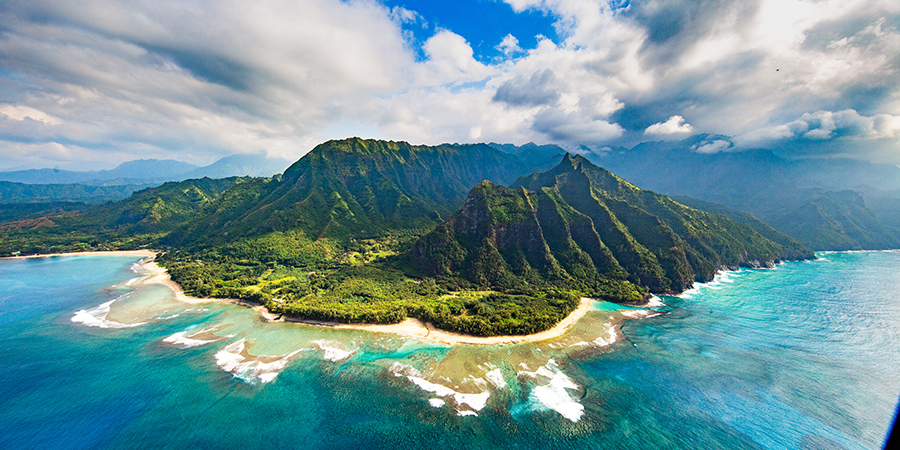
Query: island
x,y
468,238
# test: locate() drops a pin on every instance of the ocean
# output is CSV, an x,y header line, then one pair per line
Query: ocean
x,y
802,356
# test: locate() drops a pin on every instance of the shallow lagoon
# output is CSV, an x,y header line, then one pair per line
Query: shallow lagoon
x,y
803,356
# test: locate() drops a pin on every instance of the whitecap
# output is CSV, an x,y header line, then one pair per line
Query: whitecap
x,y
612,336
401,370
185,340
97,316
332,353
248,368
474,401
635,313
495,377
655,302
555,396
555,393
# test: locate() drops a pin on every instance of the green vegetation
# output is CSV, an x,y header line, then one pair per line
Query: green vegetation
x,y
355,232
136,222
37,193
838,221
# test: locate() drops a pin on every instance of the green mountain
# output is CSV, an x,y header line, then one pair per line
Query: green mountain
x,y
352,189
838,221
141,171
796,197
44,193
580,226
744,218
146,214
358,231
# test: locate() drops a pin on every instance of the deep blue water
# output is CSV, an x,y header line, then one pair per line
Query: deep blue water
x,y
803,356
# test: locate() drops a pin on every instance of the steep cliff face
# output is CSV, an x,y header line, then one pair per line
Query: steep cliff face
x,y
356,188
580,226
508,238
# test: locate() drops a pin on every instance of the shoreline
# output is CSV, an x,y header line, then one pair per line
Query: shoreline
x,y
144,253
415,328
410,327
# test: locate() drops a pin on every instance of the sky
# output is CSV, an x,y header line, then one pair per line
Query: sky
x,y
90,84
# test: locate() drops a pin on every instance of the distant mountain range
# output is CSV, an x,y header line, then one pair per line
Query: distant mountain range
x,y
54,185
153,171
827,204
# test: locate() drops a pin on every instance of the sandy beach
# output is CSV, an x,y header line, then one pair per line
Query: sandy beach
x,y
415,327
410,327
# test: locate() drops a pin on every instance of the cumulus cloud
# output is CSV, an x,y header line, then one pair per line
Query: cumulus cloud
x,y
675,125
827,125
572,128
112,80
450,60
541,88
509,45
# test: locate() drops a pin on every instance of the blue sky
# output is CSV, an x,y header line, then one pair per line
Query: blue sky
x,y
91,84
483,23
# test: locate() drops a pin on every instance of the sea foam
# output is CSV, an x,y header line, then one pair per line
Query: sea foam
x,y
97,316
554,394
185,339
464,404
474,401
333,354
234,360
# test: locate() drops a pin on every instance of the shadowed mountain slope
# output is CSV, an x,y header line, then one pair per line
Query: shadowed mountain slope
x,y
579,225
355,188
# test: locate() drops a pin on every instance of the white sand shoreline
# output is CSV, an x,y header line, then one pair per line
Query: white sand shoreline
x,y
410,327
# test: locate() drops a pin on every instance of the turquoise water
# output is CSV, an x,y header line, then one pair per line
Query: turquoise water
x,y
803,356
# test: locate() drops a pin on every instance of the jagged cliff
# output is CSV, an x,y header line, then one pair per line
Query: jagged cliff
x,y
580,226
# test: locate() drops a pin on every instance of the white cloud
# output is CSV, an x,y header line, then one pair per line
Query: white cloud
x,y
675,125
714,146
509,45
193,80
21,112
450,60
826,125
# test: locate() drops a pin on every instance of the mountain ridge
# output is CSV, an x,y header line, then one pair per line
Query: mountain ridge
x,y
578,218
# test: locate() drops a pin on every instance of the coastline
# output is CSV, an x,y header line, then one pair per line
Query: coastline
x,y
410,327
415,328
144,253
